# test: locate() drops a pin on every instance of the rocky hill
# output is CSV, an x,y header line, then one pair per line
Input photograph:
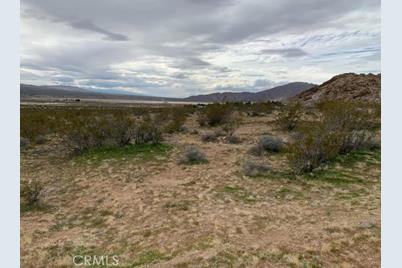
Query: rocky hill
x,y
348,86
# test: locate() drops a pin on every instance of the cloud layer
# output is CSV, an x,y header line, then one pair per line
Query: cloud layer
x,y
185,47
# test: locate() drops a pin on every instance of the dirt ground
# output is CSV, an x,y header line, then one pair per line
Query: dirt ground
x,y
157,213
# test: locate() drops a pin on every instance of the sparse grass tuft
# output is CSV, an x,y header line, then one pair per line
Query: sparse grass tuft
x,y
149,257
145,152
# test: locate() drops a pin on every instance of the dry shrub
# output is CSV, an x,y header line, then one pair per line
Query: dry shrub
x,y
254,169
30,192
233,139
215,114
175,121
209,137
147,131
193,155
267,143
24,143
289,116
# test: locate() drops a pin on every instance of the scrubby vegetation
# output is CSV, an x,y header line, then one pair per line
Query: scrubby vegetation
x,y
343,127
134,172
289,116
215,114
193,155
254,169
85,128
30,194
267,143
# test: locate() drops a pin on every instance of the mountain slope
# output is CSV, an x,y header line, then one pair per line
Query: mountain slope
x,y
277,93
348,86
28,91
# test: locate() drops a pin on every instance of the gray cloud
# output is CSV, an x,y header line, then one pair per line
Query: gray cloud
x,y
180,46
88,25
285,52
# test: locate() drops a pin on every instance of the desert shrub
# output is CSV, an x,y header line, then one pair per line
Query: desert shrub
x,y
92,132
175,121
233,139
30,192
267,143
147,131
345,115
35,124
193,155
215,114
24,143
209,137
254,169
355,140
289,116
312,147
193,132
343,128
40,139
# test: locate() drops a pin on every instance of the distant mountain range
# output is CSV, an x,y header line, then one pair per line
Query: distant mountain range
x,y
348,86
279,93
31,91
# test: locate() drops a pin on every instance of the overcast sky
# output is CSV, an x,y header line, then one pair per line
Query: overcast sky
x,y
186,47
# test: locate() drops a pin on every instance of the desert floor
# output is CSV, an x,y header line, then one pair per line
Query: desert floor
x,y
152,212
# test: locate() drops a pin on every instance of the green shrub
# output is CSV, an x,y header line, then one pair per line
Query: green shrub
x,y
289,116
147,131
215,114
30,193
97,131
175,121
312,147
343,128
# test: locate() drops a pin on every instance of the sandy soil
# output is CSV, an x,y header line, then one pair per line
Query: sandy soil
x,y
161,214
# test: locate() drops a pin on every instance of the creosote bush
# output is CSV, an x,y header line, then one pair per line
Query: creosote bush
x,y
289,116
193,155
30,193
92,132
267,143
343,127
175,120
147,131
215,114
254,169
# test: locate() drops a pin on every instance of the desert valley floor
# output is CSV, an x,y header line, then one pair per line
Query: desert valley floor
x,y
152,212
